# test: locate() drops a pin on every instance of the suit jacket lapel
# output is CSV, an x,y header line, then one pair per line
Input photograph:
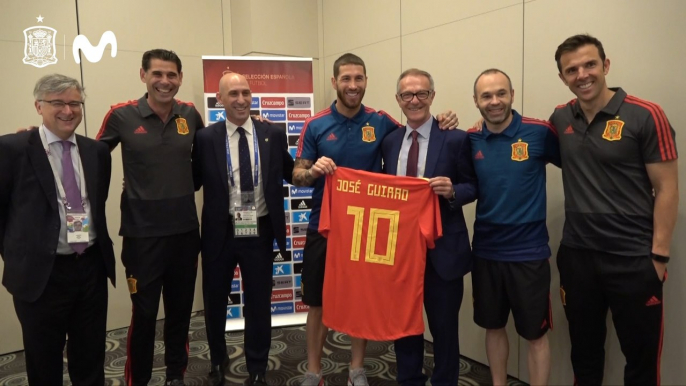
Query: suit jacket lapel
x,y
394,156
263,145
89,165
436,140
41,165
219,142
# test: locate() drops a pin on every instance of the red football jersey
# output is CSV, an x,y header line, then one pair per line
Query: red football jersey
x,y
376,252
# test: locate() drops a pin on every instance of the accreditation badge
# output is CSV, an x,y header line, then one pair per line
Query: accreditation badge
x,y
245,221
77,228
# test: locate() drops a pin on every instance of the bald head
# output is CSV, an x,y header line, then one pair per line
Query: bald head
x,y
234,93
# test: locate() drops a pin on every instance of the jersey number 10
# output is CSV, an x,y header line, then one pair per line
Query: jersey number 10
x,y
375,214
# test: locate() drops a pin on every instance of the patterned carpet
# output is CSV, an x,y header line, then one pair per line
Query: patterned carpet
x,y
287,360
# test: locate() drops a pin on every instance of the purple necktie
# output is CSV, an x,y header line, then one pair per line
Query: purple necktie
x,y
413,156
71,190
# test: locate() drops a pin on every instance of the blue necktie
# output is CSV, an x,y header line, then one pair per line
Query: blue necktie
x,y
244,162
71,190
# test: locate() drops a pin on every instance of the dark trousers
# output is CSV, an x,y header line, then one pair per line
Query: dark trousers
x,y
74,304
164,266
590,283
254,256
442,301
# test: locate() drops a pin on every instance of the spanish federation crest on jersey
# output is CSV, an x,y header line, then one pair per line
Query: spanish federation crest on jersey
x,y
181,126
520,151
39,46
613,130
368,134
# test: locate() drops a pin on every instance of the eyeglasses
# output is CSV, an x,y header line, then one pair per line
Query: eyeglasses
x,y
60,104
421,95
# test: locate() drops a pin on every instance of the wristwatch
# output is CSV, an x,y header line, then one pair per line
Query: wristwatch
x,y
659,258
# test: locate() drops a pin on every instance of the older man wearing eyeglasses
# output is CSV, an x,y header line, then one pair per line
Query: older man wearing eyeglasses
x,y
53,237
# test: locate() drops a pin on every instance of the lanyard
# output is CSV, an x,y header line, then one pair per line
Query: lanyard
x,y
60,187
228,158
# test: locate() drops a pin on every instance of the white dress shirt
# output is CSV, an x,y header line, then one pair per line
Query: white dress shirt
x,y
54,153
423,132
234,191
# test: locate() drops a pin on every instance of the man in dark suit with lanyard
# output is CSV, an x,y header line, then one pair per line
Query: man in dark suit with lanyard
x,y
54,239
241,163
422,150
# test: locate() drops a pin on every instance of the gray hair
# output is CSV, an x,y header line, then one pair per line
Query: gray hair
x,y
416,72
56,84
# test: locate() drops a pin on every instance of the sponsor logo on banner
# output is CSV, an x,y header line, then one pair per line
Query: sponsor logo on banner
x,y
217,115
293,151
298,281
234,299
293,140
255,103
275,246
288,217
299,102
213,103
282,295
235,286
301,192
299,242
281,269
295,127
301,307
299,230
274,115
273,103
288,230
285,204
297,269
279,257
282,282
233,312
301,216
304,203
282,308
298,115
298,294
236,273
298,255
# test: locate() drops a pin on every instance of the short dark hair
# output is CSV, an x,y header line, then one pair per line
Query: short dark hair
x,y
492,71
575,42
347,59
162,54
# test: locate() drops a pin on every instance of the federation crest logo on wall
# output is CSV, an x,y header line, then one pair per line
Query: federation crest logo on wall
x,y
520,151
368,133
613,130
181,126
39,46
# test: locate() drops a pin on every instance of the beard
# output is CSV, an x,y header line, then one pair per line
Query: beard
x,y
343,99
496,121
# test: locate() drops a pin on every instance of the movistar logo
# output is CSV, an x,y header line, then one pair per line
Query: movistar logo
x,y
94,54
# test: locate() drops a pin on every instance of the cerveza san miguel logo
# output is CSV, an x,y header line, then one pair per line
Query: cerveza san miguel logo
x,y
40,49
